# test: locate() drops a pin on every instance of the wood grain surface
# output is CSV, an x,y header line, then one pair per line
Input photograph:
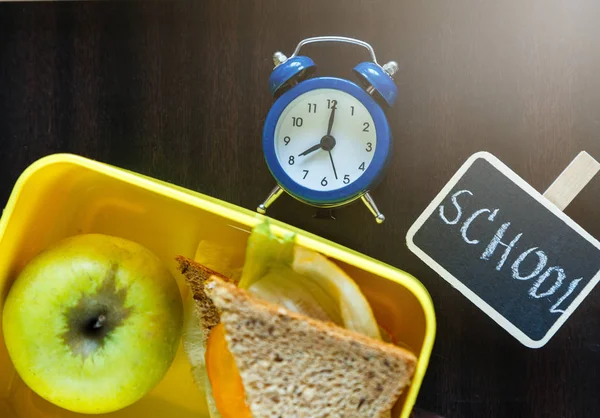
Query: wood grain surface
x,y
178,91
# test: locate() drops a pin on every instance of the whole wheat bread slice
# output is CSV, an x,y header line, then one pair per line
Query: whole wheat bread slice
x,y
294,366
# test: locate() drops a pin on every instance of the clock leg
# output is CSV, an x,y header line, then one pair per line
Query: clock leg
x,y
370,203
275,193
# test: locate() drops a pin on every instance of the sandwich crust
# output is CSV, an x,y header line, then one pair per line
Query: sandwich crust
x,y
196,276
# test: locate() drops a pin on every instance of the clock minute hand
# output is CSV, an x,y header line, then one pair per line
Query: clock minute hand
x,y
311,149
331,119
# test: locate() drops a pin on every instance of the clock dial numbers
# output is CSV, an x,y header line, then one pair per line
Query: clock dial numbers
x,y
325,139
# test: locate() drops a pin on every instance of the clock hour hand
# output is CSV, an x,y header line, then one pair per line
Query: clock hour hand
x,y
311,149
327,143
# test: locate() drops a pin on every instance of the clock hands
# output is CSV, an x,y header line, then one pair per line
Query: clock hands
x,y
329,127
327,142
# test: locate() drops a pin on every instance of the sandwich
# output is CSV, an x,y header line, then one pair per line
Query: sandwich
x,y
286,333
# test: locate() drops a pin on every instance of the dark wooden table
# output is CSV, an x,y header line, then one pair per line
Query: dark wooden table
x,y
178,91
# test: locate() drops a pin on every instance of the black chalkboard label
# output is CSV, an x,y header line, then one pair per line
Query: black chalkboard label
x,y
508,249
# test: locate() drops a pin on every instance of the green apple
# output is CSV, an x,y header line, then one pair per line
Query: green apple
x,y
93,323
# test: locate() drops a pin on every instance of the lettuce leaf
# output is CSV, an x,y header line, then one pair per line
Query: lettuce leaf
x,y
304,281
192,338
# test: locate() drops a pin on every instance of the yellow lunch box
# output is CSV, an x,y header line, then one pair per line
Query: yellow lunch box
x,y
63,195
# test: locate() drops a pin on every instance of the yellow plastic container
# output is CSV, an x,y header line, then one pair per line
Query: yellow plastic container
x,y
63,195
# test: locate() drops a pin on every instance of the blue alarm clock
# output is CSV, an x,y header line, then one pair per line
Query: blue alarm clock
x,y
326,140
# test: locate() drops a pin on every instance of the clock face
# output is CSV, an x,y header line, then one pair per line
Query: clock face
x,y
319,156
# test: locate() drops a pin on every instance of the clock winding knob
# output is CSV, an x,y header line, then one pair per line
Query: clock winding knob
x,y
279,58
391,68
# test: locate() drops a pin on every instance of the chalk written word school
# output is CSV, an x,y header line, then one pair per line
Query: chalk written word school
x,y
508,249
547,279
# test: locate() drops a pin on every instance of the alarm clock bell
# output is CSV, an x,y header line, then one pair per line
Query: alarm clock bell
x,y
344,115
